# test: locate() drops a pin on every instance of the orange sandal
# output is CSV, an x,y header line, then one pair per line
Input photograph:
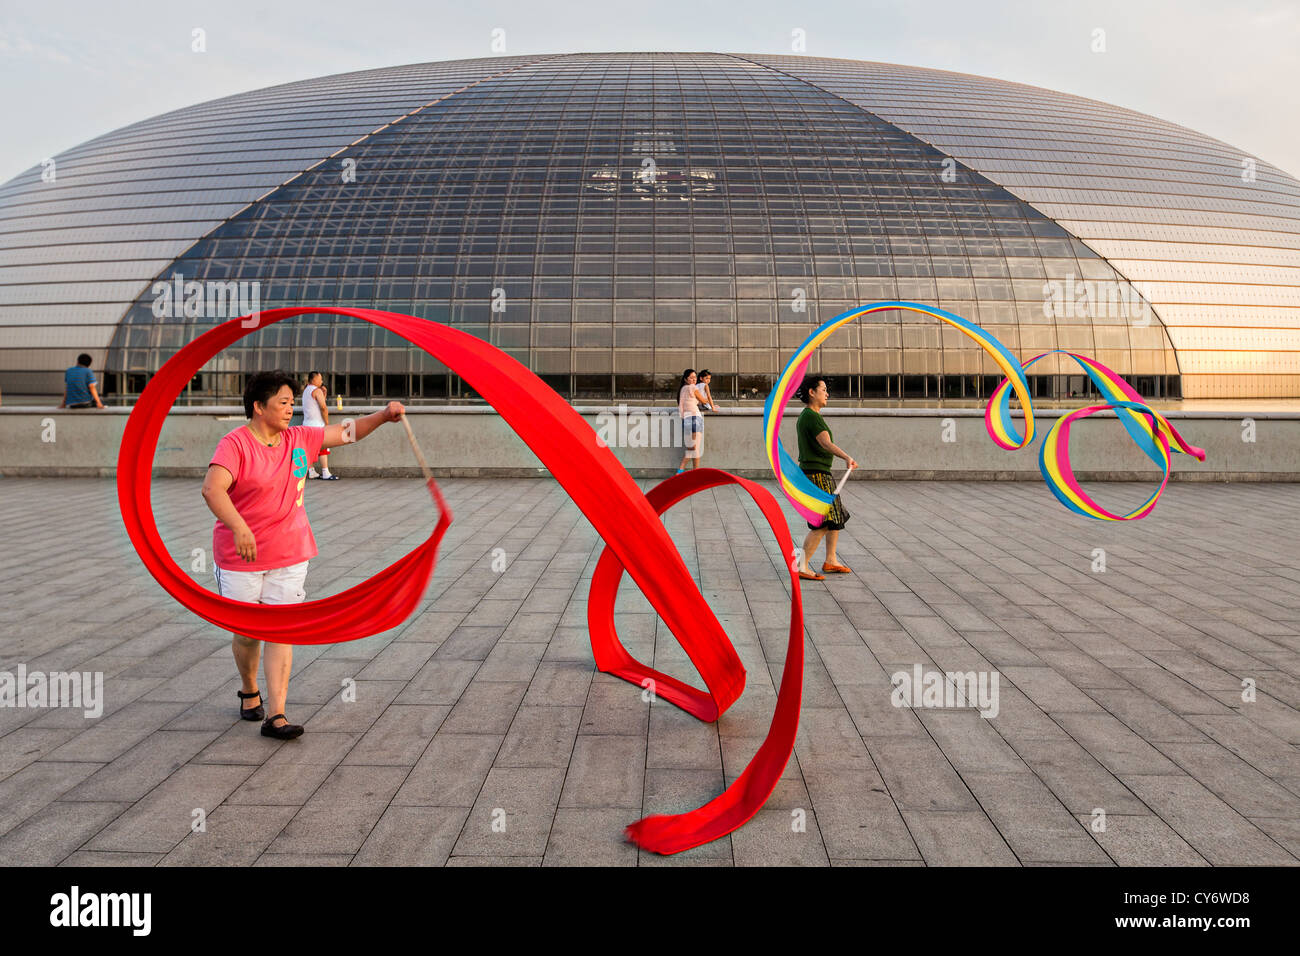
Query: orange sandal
x,y
836,569
811,576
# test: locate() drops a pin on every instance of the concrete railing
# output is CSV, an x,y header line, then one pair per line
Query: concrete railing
x,y
474,440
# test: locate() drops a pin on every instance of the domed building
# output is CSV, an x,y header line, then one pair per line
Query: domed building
x,y
610,219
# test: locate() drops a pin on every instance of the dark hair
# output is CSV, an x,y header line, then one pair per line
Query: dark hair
x,y
311,375
686,373
701,375
810,383
84,359
263,386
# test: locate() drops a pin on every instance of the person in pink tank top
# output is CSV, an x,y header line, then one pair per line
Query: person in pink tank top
x,y
261,542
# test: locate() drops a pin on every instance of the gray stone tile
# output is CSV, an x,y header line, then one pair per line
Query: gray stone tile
x,y
605,772
1145,716
112,736
971,742
438,682
590,836
1141,840
1285,831
310,860
140,769
511,662
26,745
541,737
856,817
397,661
486,707
918,775
1076,778
400,735
615,706
513,813
412,836
166,815
1052,693
1114,746
469,642
451,771
340,715
50,835
84,858
1234,781
494,861
828,739
233,836
559,684
1032,820
680,741
958,838
340,815
775,838
1215,830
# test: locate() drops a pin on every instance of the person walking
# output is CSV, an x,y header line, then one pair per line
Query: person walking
x,y
688,405
817,452
262,541
316,413
80,390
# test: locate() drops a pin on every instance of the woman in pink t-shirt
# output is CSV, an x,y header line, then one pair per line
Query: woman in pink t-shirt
x,y
262,541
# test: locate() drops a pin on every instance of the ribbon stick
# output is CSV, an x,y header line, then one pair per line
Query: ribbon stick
x,y
1149,429
415,447
843,480
636,542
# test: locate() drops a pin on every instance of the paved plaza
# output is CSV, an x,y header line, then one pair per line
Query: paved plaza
x,y
1123,734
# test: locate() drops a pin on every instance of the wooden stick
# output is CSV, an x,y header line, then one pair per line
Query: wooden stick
x,y
843,481
424,465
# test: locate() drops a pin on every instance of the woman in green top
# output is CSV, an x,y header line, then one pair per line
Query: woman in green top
x,y
816,454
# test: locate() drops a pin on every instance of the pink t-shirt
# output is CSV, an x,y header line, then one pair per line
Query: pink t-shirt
x,y
687,402
268,492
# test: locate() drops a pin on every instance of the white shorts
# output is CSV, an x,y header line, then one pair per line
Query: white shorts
x,y
272,586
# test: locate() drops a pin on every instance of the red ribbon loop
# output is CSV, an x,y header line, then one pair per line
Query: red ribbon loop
x,y
598,484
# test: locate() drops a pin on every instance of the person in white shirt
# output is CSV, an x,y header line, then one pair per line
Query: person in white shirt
x,y
316,412
705,378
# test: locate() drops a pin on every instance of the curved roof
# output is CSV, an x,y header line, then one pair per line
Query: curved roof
x,y
1208,235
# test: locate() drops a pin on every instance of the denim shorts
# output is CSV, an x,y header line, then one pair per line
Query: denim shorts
x,y
692,424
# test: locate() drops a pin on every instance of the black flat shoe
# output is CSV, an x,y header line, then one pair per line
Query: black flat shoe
x,y
285,731
251,713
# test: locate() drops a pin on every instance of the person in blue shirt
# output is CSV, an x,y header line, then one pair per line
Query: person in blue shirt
x,y
80,390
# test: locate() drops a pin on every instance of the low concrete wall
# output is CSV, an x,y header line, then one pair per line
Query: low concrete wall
x,y
471,441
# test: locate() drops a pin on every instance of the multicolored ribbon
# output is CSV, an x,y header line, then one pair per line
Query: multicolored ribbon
x,y
1149,429
635,541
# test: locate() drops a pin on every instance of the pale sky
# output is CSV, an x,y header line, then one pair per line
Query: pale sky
x,y
74,70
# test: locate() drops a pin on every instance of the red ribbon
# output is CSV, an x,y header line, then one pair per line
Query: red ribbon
x,y
626,519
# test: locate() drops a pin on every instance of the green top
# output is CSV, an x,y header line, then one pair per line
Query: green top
x,y
812,456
